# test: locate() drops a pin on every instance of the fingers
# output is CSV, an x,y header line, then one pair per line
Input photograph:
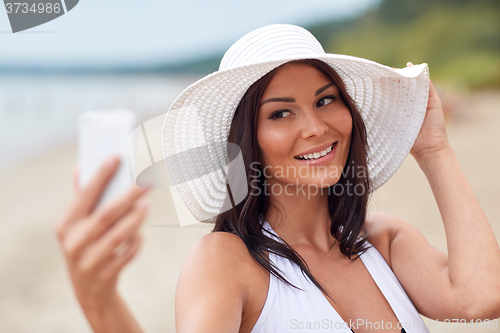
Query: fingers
x,y
105,217
109,213
116,262
103,248
76,173
87,198
77,235
434,99
60,225
408,64
90,239
91,194
432,90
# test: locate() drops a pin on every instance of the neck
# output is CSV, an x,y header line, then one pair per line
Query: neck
x,y
305,219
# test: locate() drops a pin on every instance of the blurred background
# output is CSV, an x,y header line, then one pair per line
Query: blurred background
x,y
140,55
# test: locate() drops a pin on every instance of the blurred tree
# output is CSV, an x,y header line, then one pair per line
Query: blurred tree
x,y
459,39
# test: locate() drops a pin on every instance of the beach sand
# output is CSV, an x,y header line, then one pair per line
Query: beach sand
x,y
35,290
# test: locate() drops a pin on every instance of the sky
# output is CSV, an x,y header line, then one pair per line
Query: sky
x,y
114,33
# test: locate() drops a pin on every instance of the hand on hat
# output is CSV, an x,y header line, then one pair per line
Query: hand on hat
x,y
432,136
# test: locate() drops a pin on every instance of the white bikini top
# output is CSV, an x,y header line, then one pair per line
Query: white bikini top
x,y
288,309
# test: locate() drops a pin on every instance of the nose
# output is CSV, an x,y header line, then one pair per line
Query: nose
x,y
312,124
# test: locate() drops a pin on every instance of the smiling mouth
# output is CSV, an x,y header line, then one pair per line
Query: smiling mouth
x,y
318,155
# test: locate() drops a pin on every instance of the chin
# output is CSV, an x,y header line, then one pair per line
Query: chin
x,y
320,183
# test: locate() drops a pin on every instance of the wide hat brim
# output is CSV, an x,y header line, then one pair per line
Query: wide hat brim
x,y
392,103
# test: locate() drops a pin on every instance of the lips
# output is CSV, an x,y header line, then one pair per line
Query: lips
x,y
315,153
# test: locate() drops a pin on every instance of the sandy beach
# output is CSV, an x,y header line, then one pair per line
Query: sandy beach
x,y
35,291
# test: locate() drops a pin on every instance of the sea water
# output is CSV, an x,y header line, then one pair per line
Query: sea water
x,y
39,112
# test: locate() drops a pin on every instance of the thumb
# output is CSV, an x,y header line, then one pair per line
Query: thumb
x,y
76,173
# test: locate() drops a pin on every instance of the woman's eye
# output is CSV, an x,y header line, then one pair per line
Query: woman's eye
x,y
326,100
280,114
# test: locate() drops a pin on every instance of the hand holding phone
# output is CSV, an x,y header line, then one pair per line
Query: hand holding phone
x,y
98,242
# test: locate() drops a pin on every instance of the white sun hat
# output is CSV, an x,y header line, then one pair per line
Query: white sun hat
x,y
392,103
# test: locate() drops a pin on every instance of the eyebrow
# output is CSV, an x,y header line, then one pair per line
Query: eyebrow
x,y
320,90
292,100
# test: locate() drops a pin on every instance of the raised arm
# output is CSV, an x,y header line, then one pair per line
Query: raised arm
x,y
465,284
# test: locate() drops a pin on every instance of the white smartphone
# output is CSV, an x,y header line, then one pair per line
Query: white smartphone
x,y
102,133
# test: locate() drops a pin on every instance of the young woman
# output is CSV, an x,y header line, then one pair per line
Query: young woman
x,y
317,134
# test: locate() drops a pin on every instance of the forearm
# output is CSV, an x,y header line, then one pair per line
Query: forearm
x,y
473,252
113,317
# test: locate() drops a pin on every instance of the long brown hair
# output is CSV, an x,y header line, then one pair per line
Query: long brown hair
x,y
347,212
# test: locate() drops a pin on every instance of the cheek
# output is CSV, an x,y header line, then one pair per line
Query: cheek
x,y
345,129
344,123
274,144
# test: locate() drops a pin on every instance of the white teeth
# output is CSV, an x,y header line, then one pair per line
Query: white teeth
x,y
316,155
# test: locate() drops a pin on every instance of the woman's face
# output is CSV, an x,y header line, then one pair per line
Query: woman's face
x,y
303,128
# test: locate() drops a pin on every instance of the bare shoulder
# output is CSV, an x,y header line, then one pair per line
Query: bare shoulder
x,y
221,255
216,270
222,249
383,228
